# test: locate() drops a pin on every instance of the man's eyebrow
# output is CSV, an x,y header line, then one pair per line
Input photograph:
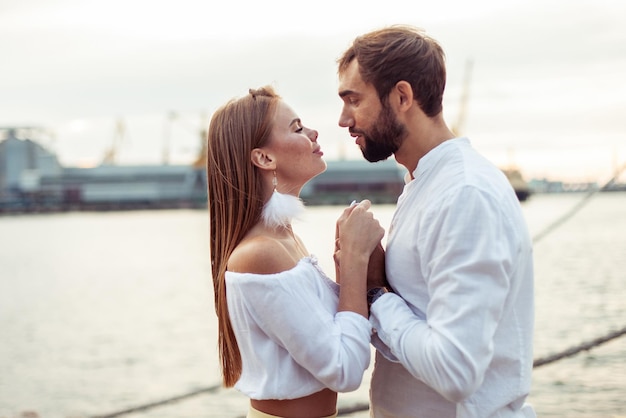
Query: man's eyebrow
x,y
345,93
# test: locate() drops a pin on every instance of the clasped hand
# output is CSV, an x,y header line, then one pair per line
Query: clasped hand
x,y
358,233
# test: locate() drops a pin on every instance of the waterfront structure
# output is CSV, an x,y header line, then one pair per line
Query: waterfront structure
x,y
32,180
348,180
23,163
522,189
113,187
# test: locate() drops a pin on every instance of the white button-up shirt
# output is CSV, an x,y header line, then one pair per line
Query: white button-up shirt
x,y
456,338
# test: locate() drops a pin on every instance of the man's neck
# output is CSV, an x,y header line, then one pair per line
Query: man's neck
x,y
425,138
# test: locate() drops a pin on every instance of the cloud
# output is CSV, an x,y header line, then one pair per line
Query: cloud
x,y
547,69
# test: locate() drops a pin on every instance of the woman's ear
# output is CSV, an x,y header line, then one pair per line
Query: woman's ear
x,y
262,159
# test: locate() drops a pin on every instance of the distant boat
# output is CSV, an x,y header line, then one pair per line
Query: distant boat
x,y
522,191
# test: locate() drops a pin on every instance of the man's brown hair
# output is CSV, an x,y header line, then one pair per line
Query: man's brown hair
x,y
389,55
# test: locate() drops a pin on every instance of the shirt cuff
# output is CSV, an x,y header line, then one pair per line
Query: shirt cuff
x,y
379,344
390,316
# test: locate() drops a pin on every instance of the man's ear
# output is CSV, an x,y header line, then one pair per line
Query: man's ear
x,y
262,159
404,95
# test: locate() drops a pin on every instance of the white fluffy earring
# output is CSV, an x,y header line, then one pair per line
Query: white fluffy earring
x,y
281,208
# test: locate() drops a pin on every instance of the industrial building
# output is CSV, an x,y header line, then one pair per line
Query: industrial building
x,y
32,180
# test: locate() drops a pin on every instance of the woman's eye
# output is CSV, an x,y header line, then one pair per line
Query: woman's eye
x,y
299,129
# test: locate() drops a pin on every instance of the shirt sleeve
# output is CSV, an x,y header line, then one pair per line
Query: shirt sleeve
x,y
333,347
468,247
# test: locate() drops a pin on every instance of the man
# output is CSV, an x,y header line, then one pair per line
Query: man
x,y
453,330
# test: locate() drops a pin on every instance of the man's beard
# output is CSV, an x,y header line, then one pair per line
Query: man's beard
x,y
385,137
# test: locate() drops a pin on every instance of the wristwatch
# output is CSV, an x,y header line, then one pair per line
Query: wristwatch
x,y
376,292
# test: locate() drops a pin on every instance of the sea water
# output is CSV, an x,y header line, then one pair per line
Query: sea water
x,y
100,312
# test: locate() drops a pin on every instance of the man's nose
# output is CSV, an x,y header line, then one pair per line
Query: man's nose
x,y
345,120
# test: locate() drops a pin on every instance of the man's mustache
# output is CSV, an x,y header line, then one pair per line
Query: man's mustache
x,y
356,131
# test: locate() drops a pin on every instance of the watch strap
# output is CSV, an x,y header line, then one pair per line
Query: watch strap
x,y
375,292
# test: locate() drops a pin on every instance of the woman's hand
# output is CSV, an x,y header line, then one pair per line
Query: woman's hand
x,y
358,235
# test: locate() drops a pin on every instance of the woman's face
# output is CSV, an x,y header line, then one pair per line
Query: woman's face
x,y
297,154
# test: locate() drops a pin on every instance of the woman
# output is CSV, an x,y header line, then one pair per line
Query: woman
x,y
289,337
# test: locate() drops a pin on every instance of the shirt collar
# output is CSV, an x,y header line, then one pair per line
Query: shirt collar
x,y
433,156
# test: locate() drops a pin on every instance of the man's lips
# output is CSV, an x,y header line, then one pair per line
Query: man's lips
x,y
356,135
357,138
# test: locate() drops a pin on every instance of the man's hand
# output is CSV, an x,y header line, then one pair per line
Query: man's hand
x,y
376,276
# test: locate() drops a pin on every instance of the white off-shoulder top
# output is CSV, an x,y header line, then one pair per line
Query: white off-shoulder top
x,y
292,340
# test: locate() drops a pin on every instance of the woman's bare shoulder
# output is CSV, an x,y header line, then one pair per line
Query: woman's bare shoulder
x,y
260,255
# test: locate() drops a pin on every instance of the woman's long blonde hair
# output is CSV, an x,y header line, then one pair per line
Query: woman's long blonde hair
x,y
235,198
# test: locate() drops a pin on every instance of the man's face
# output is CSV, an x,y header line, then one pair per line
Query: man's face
x,y
372,123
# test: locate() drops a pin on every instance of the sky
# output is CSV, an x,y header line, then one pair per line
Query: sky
x,y
546,83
